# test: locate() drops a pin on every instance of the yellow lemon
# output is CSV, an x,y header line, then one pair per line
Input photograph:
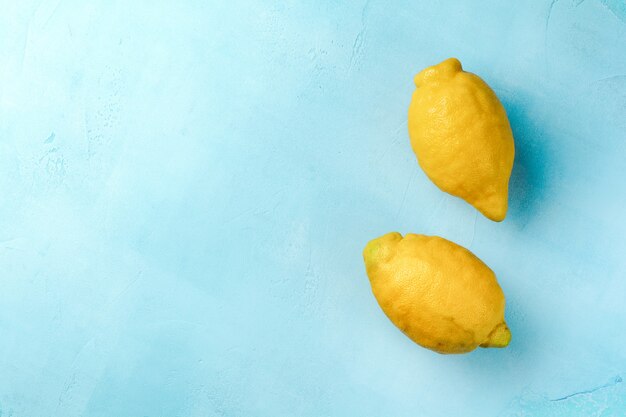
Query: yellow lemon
x,y
462,137
438,293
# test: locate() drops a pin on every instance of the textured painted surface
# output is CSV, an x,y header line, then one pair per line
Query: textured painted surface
x,y
186,188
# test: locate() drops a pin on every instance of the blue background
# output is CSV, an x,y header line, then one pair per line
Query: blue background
x,y
186,188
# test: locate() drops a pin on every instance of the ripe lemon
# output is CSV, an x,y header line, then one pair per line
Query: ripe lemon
x,y
438,293
461,136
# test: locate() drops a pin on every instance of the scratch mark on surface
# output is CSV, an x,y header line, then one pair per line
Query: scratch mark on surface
x,y
25,48
552,3
13,248
86,133
35,22
15,244
364,10
406,191
545,34
401,126
611,78
75,381
359,41
51,151
127,288
50,138
436,210
617,7
397,136
53,12
615,381
236,216
82,348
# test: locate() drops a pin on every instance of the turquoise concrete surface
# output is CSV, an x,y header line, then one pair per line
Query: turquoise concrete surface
x,y
186,188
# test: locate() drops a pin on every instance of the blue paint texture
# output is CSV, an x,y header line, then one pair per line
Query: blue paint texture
x,y
186,188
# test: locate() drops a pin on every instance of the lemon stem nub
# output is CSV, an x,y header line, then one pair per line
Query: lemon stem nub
x,y
499,337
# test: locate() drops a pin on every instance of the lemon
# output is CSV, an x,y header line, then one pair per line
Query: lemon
x,y
461,136
438,293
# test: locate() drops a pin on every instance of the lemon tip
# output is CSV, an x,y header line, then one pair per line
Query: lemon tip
x,y
499,337
446,68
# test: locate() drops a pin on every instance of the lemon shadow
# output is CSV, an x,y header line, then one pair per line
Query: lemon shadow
x,y
529,180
